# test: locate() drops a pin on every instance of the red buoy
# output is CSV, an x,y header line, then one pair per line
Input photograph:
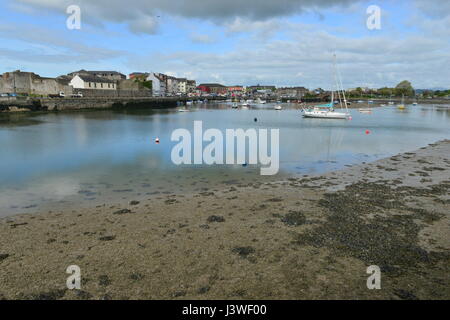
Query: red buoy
x,y
367,132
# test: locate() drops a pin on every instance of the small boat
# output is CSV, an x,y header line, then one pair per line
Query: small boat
x,y
414,104
183,110
189,102
245,104
234,106
391,103
278,107
365,110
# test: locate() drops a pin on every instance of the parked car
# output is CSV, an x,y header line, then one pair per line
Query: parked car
x,y
77,95
4,95
59,95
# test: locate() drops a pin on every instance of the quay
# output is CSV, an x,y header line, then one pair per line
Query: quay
x,y
12,104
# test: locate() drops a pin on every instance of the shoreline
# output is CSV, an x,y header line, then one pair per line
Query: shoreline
x,y
299,238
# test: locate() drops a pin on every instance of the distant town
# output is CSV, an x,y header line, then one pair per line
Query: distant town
x,y
85,83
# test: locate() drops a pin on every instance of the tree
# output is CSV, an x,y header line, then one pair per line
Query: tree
x,y
404,88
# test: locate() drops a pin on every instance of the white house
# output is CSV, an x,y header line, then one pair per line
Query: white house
x,y
158,80
81,81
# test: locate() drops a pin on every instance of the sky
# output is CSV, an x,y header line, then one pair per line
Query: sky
x,y
234,42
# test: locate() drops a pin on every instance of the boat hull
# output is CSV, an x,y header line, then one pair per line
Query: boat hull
x,y
325,115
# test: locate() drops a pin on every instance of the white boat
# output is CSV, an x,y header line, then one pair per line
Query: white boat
x,y
245,104
183,110
326,111
261,101
391,103
365,110
278,107
235,105
414,104
189,102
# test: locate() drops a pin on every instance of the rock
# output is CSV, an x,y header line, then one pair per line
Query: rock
x,y
243,251
203,290
179,294
294,219
134,203
3,256
216,219
103,280
122,211
83,294
136,276
107,238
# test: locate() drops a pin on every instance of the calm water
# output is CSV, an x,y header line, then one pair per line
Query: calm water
x,y
90,158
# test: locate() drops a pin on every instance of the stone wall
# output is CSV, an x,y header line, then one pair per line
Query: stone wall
x,y
29,83
113,93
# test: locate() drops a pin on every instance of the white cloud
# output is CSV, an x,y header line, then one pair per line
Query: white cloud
x,y
202,38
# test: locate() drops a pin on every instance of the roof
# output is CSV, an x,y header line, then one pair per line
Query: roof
x,y
88,78
96,72
211,85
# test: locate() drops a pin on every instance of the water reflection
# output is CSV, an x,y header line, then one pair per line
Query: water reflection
x,y
92,157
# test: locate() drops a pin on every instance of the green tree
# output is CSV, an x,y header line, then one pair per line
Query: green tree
x,y
404,88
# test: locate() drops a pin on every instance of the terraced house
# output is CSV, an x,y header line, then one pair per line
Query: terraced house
x,y
83,81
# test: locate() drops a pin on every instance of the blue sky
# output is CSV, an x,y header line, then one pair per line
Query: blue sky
x,y
283,42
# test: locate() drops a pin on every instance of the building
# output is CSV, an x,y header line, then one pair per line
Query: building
x,y
235,89
83,81
29,83
191,86
138,75
182,85
110,75
159,84
212,88
171,85
261,88
292,92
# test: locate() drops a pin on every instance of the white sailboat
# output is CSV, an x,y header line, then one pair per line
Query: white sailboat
x,y
278,107
326,111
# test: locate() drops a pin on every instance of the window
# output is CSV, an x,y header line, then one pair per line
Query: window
x,y
89,84
101,85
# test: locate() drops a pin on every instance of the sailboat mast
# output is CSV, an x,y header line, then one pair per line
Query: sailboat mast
x,y
340,82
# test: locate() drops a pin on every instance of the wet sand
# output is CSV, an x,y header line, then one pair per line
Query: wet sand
x,y
309,237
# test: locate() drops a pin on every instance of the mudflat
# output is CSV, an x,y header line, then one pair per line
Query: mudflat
x,y
301,238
